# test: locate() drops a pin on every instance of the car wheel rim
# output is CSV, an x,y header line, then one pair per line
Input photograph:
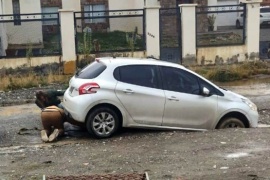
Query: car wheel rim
x,y
103,123
233,125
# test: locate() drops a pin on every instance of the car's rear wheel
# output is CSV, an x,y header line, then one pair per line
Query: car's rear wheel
x,y
102,122
238,25
230,122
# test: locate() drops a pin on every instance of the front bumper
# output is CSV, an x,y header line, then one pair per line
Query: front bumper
x,y
253,118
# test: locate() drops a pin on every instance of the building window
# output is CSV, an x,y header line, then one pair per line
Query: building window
x,y
16,12
51,15
90,12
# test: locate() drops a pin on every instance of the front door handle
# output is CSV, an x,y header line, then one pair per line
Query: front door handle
x,y
128,91
173,98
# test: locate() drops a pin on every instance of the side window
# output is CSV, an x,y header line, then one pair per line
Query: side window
x,y
142,75
180,81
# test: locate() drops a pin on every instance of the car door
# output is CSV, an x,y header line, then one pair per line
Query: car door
x,y
138,89
185,106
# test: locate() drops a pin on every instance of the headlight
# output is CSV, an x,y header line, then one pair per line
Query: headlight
x,y
250,104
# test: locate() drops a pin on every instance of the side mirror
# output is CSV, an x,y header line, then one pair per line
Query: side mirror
x,y
205,92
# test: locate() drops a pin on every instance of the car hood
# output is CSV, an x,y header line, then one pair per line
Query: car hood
x,y
232,96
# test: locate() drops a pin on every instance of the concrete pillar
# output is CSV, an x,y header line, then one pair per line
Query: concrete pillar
x,y
68,40
76,6
152,31
212,3
253,29
152,3
188,20
72,4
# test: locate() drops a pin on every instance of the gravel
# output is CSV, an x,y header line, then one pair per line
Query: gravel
x,y
24,96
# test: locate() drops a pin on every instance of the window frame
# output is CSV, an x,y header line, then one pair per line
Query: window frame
x,y
157,83
53,15
16,12
91,71
90,9
213,90
181,71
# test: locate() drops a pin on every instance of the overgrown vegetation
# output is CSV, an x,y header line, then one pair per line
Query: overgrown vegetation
x,y
51,44
27,77
9,80
219,38
225,73
111,41
86,46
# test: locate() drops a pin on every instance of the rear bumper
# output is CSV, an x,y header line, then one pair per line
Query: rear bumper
x,y
74,107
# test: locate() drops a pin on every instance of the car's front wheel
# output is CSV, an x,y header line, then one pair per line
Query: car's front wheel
x,y
230,122
102,122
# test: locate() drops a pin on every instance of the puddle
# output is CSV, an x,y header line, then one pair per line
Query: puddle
x,y
248,82
253,87
237,155
263,125
21,149
250,151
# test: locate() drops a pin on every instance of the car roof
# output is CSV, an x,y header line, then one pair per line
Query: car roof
x,y
118,61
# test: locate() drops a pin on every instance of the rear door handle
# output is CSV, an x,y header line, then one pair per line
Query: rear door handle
x,y
128,91
173,98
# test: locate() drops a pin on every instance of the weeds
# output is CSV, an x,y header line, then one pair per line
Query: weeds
x,y
87,43
131,40
30,80
219,73
225,73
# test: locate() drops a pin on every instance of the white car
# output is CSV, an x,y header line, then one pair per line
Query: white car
x,y
111,93
264,17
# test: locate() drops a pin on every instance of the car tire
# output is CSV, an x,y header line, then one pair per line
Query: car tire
x,y
237,24
230,122
102,122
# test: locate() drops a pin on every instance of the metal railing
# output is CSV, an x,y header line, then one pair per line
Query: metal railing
x,y
30,35
110,31
220,25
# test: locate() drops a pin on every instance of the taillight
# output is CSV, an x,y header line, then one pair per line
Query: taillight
x,y
88,88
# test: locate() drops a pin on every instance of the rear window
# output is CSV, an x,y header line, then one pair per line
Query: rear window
x,y
91,71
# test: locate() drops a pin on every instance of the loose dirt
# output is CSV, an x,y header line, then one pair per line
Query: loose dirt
x,y
218,154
